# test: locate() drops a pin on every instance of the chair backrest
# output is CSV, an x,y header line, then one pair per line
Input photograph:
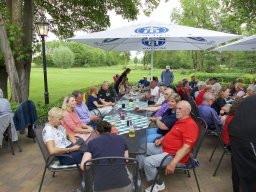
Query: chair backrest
x,y
39,138
110,173
218,128
203,128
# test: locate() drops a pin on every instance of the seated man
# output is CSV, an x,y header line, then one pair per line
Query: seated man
x,y
205,111
144,81
108,145
153,93
82,110
179,141
166,121
105,94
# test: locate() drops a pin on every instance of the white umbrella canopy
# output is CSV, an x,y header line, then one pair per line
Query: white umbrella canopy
x,y
245,44
155,36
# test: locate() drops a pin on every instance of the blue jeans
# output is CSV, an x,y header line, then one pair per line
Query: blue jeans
x,y
152,135
76,157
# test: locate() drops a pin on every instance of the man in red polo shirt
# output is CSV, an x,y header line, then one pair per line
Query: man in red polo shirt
x,y
179,141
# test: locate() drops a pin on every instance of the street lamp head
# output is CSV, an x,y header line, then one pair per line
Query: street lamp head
x,y
42,26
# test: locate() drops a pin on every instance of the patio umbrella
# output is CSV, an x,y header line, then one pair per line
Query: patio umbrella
x,y
245,44
154,36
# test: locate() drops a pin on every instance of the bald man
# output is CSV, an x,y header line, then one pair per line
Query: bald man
x,y
179,140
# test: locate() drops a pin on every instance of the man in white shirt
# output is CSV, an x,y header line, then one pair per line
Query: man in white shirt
x,y
154,89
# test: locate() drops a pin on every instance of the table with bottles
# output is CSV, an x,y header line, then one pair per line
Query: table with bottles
x,y
130,123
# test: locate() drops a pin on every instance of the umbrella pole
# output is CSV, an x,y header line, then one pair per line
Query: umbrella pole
x,y
152,58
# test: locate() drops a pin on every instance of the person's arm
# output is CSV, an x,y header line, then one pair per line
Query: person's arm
x,y
97,104
159,141
161,125
126,154
56,150
152,109
71,137
105,103
72,125
180,154
87,156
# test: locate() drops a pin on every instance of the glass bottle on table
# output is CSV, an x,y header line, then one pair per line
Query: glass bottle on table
x,y
131,131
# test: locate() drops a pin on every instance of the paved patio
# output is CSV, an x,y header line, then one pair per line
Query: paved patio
x,y
23,171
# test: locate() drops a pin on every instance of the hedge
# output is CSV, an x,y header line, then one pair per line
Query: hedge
x,y
42,109
227,78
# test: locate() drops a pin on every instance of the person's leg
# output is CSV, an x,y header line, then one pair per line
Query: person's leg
x,y
105,110
76,158
152,149
151,163
235,177
151,138
244,160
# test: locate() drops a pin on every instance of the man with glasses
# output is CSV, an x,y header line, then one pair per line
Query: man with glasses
x,y
205,111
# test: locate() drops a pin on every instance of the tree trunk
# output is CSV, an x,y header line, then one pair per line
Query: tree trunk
x,y
9,62
24,13
3,80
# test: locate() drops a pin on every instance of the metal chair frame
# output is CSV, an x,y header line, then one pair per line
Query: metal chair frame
x,y
95,162
49,159
219,141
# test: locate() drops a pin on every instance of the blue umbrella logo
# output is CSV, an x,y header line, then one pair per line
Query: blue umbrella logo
x,y
151,30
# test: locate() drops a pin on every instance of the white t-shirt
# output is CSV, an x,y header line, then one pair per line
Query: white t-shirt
x,y
154,91
58,135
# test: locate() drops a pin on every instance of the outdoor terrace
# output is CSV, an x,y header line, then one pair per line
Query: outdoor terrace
x,y
23,172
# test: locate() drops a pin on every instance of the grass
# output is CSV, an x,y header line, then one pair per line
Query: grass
x,y
62,82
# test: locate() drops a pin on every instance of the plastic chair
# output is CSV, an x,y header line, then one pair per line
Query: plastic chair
x,y
192,163
219,141
107,173
51,162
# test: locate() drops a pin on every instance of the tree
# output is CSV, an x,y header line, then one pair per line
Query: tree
x,y
244,11
63,57
66,17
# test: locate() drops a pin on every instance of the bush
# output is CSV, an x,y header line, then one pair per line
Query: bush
x,y
228,77
63,57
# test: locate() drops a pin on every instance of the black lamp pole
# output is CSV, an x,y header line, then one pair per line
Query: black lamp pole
x,y
46,94
42,27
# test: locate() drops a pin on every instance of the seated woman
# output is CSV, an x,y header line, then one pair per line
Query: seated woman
x,y
164,123
183,89
96,103
231,114
71,122
108,145
220,101
55,138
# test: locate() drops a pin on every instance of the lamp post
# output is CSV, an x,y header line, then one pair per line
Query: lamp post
x,y
42,28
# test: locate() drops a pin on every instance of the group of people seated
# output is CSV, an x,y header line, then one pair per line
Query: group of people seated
x,y
172,129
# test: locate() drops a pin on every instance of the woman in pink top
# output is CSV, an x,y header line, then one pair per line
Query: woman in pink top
x,y
71,121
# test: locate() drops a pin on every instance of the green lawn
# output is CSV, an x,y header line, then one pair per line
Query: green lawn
x,y
62,82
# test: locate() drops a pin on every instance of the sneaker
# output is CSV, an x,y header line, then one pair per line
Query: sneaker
x,y
156,188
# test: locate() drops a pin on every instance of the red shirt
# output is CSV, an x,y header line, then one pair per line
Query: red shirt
x,y
225,133
184,131
199,98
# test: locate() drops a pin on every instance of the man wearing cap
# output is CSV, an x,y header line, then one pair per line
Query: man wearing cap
x,y
144,81
167,76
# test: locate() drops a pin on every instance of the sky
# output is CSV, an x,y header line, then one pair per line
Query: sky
x,y
161,14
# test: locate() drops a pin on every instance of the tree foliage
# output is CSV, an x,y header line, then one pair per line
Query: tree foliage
x,y
66,17
63,57
244,11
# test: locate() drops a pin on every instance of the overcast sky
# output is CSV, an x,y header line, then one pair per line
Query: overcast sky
x,y
161,14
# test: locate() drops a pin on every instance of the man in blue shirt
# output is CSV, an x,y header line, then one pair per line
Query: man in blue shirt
x,y
82,110
205,111
167,76
144,81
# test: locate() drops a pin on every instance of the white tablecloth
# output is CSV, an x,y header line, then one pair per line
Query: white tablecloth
x,y
5,120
